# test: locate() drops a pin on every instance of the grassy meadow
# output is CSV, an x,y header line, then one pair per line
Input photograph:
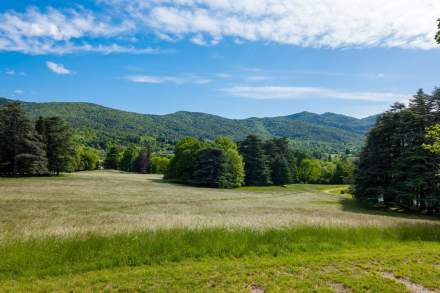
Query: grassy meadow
x,y
112,231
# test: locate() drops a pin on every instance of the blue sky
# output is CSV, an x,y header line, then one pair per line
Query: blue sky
x,y
236,58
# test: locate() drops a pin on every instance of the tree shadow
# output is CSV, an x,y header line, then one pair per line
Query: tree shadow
x,y
354,206
168,181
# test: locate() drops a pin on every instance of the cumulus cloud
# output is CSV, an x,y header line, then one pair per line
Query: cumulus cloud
x,y
311,23
54,31
292,93
58,68
305,23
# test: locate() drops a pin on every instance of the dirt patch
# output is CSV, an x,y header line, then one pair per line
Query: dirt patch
x,y
257,289
413,287
340,288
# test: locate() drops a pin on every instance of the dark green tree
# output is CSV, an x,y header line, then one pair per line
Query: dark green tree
x,y
394,165
280,171
21,148
208,168
256,164
58,139
113,158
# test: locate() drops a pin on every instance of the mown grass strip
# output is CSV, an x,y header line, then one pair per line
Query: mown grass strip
x,y
55,255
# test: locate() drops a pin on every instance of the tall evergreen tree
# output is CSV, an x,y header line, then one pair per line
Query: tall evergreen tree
x,y
208,167
394,165
256,165
280,171
21,148
113,158
58,139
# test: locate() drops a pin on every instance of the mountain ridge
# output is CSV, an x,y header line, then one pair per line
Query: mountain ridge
x,y
117,125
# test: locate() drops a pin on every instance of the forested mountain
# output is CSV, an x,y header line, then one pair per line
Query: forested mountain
x,y
104,124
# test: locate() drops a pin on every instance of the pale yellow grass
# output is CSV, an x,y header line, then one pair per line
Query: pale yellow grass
x,y
111,202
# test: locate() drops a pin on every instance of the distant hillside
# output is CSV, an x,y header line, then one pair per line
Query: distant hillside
x,y
120,126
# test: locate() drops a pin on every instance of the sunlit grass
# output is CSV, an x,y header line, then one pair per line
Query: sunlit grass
x,y
58,255
107,202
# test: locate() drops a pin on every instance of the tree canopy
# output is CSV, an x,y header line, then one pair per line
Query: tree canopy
x,y
395,164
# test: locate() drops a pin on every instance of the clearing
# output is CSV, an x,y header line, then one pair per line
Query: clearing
x,y
112,231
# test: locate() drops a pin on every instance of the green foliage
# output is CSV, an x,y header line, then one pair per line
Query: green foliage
x,y
309,171
128,159
21,148
58,140
86,158
208,168
182,164
159,165
233,168
280,171
202,163
394,166
114,158
256,163
433,138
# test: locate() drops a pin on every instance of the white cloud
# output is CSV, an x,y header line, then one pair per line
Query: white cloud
x,y
307,23
58,68
10,72
184,78
154,79
293,93
304,23
54,31
18,92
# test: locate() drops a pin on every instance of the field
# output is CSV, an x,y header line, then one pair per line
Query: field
x,y
111,231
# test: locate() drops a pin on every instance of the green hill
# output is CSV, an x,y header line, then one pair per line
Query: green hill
x,y
121,126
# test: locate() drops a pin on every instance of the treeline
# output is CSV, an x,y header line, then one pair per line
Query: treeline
x,y
400,163
48,147
28,148
254,162
44,147
135,159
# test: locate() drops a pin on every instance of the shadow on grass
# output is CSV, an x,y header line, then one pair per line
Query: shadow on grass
x,y
353,206
172,182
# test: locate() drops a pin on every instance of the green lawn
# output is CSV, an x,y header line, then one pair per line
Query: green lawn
x,y
111,231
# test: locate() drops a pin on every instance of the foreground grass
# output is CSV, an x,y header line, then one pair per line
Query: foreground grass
x,y
299,259
55,255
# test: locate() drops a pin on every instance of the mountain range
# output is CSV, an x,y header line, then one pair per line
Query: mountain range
x,y
120,126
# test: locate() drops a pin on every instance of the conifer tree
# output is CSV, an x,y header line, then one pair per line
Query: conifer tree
x,y
113,158
256,165
208,168
280,171
21,148
58,140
